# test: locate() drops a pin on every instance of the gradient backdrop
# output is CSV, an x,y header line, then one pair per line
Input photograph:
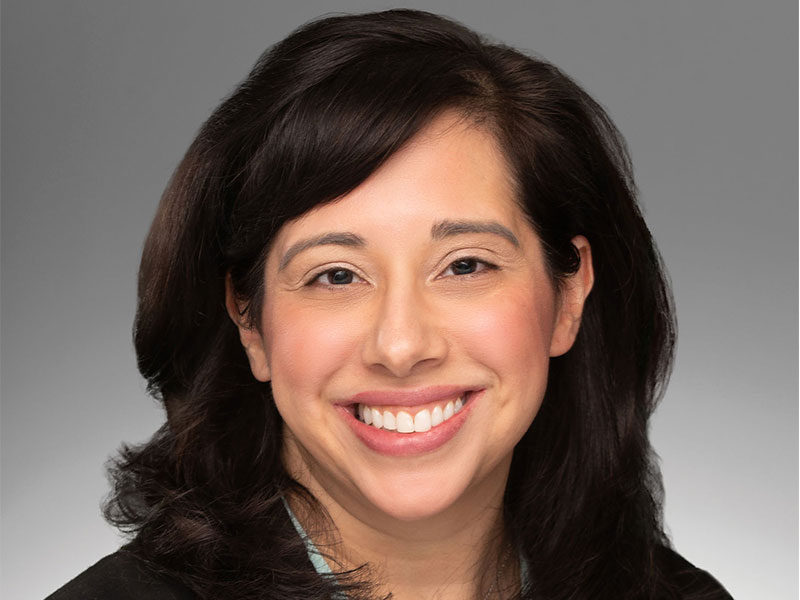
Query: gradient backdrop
x,y
101,98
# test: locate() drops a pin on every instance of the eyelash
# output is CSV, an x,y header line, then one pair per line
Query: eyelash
x,y
481,267
487,266
315,279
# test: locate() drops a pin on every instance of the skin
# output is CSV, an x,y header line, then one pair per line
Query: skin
x,y
411,312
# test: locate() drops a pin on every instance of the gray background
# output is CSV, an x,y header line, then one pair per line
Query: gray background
x,y
101,99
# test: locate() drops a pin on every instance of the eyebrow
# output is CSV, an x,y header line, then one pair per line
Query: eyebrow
x,y
439,231
445,229
325,239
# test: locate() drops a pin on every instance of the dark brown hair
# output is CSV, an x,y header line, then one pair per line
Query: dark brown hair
x,y
319,113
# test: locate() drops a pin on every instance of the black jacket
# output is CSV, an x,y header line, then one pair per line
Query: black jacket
x,y
122,576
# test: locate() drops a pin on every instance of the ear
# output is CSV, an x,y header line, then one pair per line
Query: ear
x,y
572,297
251,338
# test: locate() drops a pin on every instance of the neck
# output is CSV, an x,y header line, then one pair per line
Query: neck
x,y
445,556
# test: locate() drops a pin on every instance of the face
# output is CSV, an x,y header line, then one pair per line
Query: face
x,y
407,329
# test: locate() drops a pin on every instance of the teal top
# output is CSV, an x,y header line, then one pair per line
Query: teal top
x,y
321,565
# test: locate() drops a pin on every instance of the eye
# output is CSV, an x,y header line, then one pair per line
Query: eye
x,y
335,277
468,266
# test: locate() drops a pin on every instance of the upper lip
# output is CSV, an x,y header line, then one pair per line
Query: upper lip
x,y
409,397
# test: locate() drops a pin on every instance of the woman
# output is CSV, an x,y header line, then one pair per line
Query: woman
x,y
408,326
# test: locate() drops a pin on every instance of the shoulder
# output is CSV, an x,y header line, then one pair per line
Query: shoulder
x,y
121,576
692,582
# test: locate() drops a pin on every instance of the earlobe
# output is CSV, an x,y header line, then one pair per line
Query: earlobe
x,y
250,337
572,297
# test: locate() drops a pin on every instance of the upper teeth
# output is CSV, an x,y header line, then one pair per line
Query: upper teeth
x,y
404,422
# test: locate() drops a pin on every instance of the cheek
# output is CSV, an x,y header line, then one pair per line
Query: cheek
x,y
511,338
305,347
511,328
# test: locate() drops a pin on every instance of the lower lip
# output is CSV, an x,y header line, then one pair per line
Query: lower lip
x,y
391,443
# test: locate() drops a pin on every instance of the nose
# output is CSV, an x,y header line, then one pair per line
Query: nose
x,y
406,335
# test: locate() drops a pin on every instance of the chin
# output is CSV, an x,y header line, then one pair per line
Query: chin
x,y
417,495
419,505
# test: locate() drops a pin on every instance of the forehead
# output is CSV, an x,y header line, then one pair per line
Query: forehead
x,y
453,170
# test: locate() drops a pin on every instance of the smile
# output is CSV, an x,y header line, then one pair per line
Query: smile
x,y
403,421
409,422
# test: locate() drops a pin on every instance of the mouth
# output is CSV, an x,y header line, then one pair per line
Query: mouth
x,y
400,423
417,419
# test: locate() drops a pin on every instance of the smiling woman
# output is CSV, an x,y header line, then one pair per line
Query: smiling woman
x,y
408,326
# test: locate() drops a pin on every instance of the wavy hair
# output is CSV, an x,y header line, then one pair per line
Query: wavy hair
x,y
319,113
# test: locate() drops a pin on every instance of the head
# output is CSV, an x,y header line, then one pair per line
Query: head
x,y
323,129
424,285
